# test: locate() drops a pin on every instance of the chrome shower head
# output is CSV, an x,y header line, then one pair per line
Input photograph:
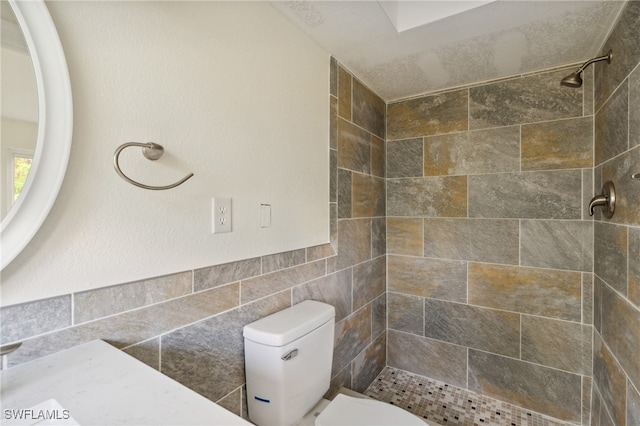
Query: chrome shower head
x,y
575,78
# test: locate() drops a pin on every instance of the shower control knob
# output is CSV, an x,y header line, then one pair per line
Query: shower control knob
x,y
606,200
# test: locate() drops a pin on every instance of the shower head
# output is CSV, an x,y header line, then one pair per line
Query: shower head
x,y
572,80
575,78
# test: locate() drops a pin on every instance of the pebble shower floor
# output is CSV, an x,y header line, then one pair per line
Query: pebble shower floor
x,y
449,405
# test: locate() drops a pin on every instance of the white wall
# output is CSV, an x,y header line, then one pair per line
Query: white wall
x,y
235,93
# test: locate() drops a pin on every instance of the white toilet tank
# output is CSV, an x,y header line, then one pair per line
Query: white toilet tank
x,y
288,362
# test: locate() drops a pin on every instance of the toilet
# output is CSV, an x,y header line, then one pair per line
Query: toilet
x,y
288,359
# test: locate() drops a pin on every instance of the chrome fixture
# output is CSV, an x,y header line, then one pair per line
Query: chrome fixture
x,y
6,350
606,200
575,78
151,151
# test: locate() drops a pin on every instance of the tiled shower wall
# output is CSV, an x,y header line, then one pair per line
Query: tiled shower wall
x,y
616,363
189,325
489,241
491,249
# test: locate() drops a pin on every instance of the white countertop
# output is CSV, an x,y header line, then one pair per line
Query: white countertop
x,y
101,385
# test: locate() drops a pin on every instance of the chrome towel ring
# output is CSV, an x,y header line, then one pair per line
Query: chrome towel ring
x,y
152,151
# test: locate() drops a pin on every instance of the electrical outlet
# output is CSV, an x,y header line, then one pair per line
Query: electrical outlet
x,y
221,215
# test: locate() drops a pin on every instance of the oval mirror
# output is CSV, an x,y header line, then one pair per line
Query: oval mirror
x,y
54,129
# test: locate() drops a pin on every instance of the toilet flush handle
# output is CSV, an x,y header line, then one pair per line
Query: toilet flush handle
x,y
291,354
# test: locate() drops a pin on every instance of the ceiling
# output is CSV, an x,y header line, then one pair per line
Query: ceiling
x,y
443,47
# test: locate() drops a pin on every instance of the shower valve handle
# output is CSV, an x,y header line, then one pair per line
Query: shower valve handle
x,y
606,200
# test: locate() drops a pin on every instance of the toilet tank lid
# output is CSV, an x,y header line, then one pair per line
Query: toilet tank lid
x,y
289,324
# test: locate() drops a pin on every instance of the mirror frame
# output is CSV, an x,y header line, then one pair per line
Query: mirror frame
x,y
55,128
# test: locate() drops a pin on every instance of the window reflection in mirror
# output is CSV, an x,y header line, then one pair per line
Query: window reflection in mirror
x,y
19,131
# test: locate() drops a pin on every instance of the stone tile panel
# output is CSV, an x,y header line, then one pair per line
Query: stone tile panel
x,y
369,281
18,322
546,390
333,176
619,170
610,380
634,108
633,405
369,110
480,328
101,302
429,196
406,313
147,352
434,278
320,252
354,242
208,357
214,276
527,195
333,123
612,126
344,93
333,76
354,148
483,151
405,236
344,194
544,292
480,240
561,144
428,115
610,254
621,332
558,344
405,158
369,363
536,97
633,279
283,260
623,42
587,298
232,402
267,284
334,289
426,357
352,335
367,195
131,327
379,316
378,236
378,156
557,244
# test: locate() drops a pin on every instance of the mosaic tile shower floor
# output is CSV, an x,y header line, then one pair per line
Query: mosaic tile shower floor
x,y
449,405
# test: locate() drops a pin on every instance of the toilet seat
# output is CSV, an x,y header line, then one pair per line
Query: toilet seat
x,y
347,410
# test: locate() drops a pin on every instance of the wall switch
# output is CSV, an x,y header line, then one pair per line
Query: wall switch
x,y
265,215
221,214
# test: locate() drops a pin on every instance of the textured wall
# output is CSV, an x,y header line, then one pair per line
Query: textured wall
x,y
202,79
616,356
489,243
189,324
